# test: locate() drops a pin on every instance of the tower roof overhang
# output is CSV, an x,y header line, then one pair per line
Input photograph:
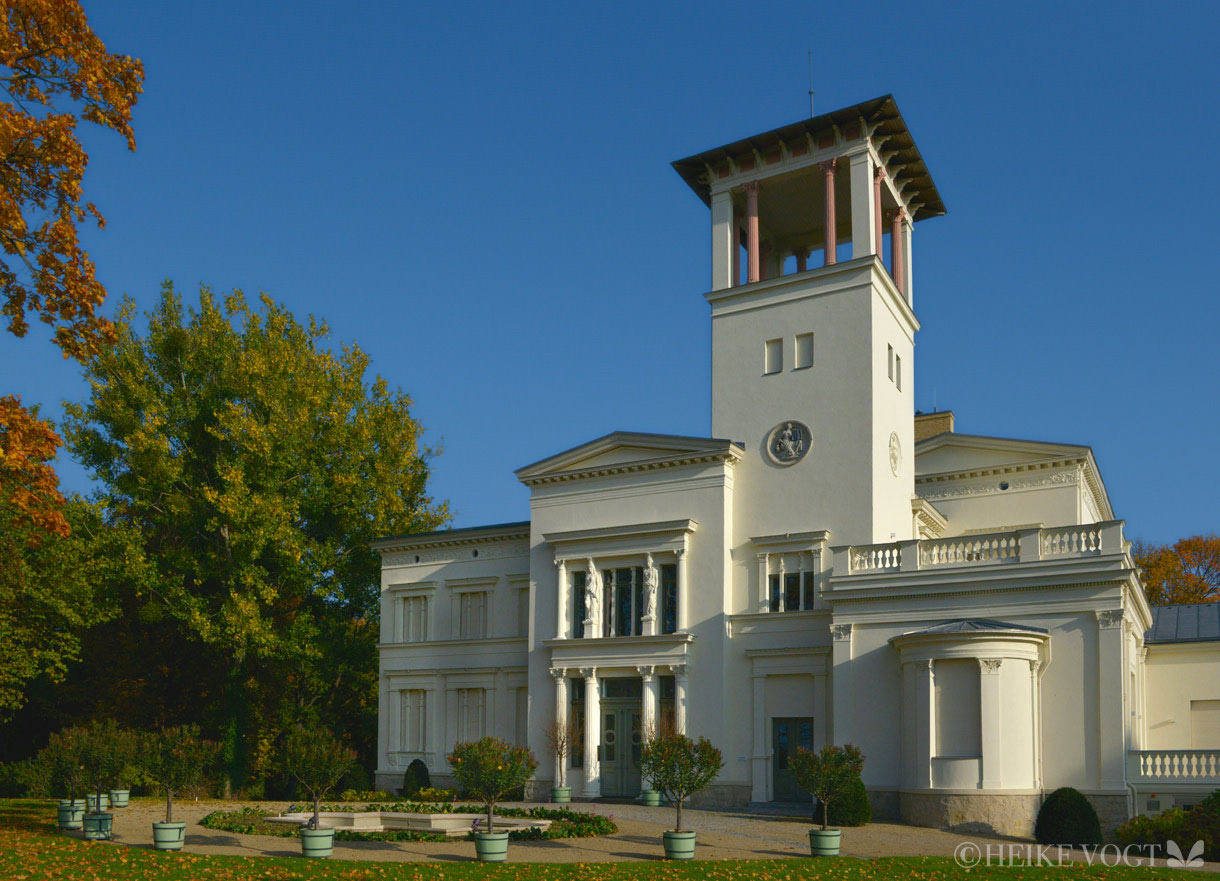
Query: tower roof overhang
x,y
878,118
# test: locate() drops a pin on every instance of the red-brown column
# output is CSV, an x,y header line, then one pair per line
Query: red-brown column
x,y
752,232
896,261
832,239
878,177
736,248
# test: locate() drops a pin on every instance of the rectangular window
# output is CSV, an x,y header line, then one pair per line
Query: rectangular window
x,y
958,722
576,688
578,604
472,623
889,360
773,359
415,619
792,592
414,721
774,593
797,592
804,351
523,611
898,372
623,598
472,711
807,590
669,598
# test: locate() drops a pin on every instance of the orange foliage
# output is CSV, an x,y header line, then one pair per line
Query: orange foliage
x,y
30,502
1187,571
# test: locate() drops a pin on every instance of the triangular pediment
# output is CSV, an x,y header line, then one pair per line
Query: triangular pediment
x,y
951,452
621,449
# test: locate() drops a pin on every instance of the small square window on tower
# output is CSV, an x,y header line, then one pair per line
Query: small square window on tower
x,y
804,351
890,361
898,371
773,357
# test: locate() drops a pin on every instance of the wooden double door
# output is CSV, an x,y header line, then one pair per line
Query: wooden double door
x,y
621,747
786,735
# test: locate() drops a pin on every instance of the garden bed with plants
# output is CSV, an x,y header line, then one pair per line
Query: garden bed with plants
x,y
564,823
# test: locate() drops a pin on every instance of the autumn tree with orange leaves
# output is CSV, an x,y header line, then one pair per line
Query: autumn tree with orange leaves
x,y
54,72
1187,571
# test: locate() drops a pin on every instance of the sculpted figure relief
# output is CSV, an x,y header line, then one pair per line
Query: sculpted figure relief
x,y
650,587
593,592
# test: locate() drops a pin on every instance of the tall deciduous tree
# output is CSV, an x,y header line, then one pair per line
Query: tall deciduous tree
x,y
257,465
1187,571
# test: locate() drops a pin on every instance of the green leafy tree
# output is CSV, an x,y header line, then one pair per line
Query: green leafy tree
x,y
317,760
177,760
680,767
64,759
828,774
106,749
256,465
490,768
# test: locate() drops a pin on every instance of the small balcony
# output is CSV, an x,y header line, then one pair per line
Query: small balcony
x,y
988,549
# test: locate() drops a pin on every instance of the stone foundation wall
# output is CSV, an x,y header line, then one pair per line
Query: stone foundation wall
x,y
972,813
884,803
722,795
1111,810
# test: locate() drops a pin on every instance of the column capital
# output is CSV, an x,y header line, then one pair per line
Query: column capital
x,y
645,671
989,666
678,669
750,188
588,673
1108,618
1034,666
559,672
840,632
560,562
829,165
878,173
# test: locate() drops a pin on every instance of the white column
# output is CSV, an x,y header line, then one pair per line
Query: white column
x,y
863,220
909,287
651,701
561,600
683,593
1035,693
561,718
760,753
991,735
925,723
395,725
783,585
763,566
593,733
1111,672
383,714
722,240
679,698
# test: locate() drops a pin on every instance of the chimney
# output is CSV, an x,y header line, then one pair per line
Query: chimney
x,y
931,424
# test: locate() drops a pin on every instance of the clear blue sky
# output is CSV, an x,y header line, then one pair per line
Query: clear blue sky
x,y
479,194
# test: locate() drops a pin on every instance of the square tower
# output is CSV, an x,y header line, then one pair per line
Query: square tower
x,y
812,321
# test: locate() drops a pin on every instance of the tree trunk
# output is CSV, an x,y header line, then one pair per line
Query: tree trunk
x,y
317,809
678,819
169,806
824,813
490,807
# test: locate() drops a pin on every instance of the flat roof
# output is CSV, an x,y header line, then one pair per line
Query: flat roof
x,y
882,112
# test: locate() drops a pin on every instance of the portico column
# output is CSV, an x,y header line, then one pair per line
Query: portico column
x,y
736,248
723,239
651,700
561,599
832,239
878,177
989,708
897,261
763,605
683,592
593,733
863,226
679,698
561,717
752,232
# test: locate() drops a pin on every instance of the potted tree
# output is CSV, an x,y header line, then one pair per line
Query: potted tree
x,y
679,767
561,738
488,769
318,761
63,759
176,760
826,774
130,747
649,797
102,755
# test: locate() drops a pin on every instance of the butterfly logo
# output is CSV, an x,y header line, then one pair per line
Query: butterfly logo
x,y
1176,861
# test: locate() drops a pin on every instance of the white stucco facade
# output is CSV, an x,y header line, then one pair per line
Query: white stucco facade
x,y
824,567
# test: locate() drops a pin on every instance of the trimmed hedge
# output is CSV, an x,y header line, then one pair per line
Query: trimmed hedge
x,y
852,808
1067,818
564,823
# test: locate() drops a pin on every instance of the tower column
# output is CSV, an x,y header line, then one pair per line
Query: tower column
x,y
897,260
863,227
832,240
878,177
736,248
752,242
722,240
908,277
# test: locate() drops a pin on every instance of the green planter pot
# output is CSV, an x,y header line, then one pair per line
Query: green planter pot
x,y
169,836
824,842
650,797
119,797
491,847
91,802
98,826
679,845
561,795
71,813
317,842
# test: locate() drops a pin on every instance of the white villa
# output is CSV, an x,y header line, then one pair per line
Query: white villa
x,y
826,566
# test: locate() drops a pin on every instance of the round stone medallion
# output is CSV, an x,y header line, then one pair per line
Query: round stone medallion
x,y
788,442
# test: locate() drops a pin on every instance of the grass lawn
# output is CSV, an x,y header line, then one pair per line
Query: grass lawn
x,y
31,849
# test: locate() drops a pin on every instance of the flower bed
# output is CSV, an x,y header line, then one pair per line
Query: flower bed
x,y
564,823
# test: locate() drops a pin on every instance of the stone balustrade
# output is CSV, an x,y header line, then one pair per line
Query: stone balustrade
x,y
989,549
1174,766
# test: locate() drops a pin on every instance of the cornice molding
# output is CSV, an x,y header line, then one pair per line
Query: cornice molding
x,y
729,456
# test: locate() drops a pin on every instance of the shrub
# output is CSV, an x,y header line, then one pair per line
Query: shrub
x,y
365,795
828,774
318,761
852,808
106,750
1211,803
177,760
1183,827
415,779
29,778
490,768
64,760
1067,818
678,767
432,794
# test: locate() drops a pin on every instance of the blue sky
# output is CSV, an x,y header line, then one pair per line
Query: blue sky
x,y
479,194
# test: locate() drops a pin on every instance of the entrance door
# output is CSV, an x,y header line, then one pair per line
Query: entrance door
x,y
786,736
621,746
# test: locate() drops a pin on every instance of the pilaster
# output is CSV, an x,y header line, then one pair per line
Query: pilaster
x,y
863,223
991,736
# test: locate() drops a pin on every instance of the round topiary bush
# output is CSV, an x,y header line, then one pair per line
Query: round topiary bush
x,y
1067,818
852,808
415,779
